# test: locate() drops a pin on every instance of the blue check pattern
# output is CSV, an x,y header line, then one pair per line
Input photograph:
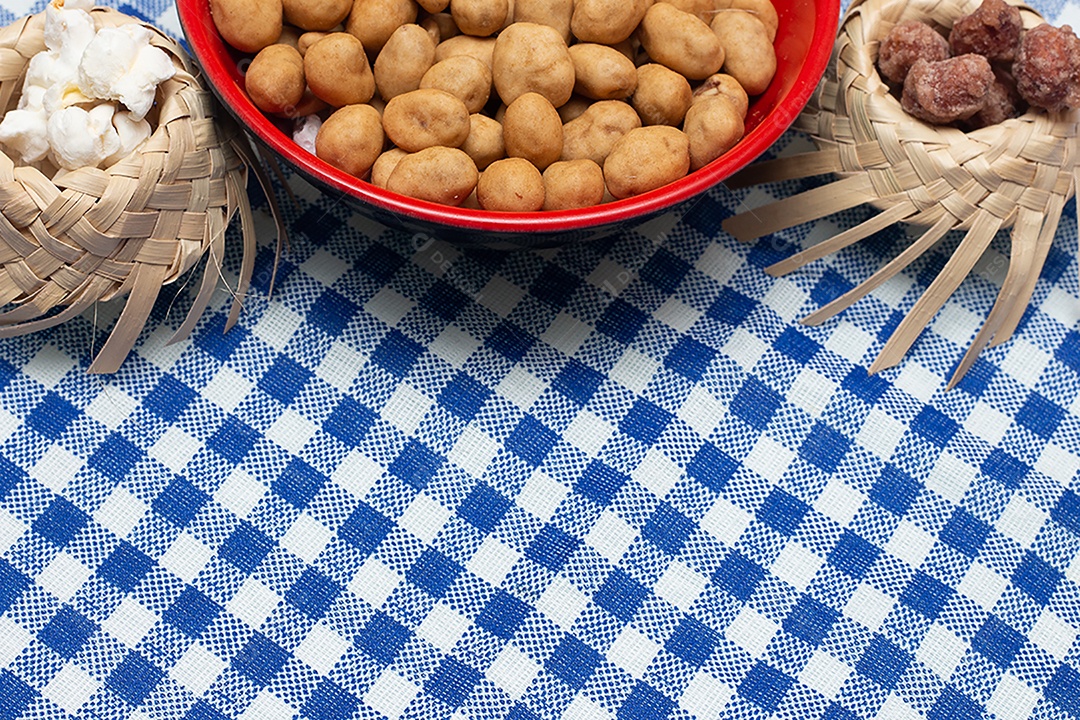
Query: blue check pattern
x,y
612,481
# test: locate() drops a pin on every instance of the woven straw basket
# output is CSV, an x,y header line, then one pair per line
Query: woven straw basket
x,y
127,229
1017,174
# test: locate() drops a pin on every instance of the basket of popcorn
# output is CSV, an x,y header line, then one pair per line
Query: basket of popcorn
x,y
946,115
116,176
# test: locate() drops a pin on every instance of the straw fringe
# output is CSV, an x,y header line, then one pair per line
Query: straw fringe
x,y
95,234
1017,174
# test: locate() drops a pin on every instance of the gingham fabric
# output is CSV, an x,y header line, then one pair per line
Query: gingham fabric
x,y
609,481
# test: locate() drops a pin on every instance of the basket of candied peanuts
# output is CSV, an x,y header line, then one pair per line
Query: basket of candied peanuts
x,y
507,105
954,114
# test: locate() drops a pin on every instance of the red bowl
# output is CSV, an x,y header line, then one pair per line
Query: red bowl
x,y
804,43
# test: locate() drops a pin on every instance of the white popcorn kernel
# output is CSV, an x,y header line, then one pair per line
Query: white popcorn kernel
x,y
23,131
80,138
305,130
120,64
133,135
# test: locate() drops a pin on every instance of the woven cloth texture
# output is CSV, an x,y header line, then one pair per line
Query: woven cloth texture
x,y
609,481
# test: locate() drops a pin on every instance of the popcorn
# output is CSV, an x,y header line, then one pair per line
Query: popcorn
x,y
307,127
81,138
23,131
121,64
66,111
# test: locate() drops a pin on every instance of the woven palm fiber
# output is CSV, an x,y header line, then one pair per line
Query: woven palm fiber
x,y
1017,174
93,234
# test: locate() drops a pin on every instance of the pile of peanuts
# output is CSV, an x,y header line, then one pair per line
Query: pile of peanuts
x,y
593,99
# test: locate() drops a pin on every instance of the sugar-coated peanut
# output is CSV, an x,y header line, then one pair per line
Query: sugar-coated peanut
x,y
763,10
384,165
570,184
533,130
602,72
681,41
275,79
532,58
316,14
479,48
337,70
749,56
437,174
645,159
425,118
374,21
464,77
511,185
606,21
662,96
555,13
713,126
479,18
723,84
595,131
407,55
485,141
351,139
248,25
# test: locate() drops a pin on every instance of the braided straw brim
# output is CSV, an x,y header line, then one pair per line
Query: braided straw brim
x,y
128,229
1017,174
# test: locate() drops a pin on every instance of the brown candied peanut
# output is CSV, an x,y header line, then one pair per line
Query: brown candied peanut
x,y
606,21
532,58
725,85
645,159
479,48
485,141
532,130
570,184
993,31
1047,68
464,77
289,36
602,72
555,13
374,21
749,56
337,70
907,42
595,131
425,118
1002,102
681,41
713,126
947,90
763,10
384,165
511,185
320,15
573,108
275,79
701,8
662,96
308,39
407,55
440,26
437,174
351,139
479,18
248,25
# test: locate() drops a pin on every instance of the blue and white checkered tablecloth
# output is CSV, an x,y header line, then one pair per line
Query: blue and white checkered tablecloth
x,y
609,481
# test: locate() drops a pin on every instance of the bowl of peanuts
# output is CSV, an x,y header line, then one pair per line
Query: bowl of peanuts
x,y
513,122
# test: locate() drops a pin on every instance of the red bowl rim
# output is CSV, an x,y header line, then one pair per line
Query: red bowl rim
x,y
212,55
